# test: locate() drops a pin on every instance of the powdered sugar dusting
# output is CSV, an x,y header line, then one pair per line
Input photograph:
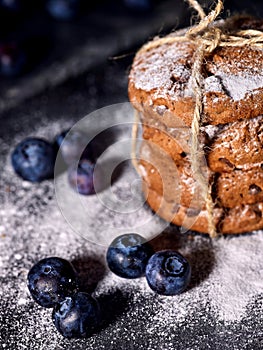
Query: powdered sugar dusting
x,y
150,73
165,72
235,86
213,84
238,274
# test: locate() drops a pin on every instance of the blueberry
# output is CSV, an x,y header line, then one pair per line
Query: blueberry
x,y
77,316
51,280
73,146
12,60
81,177
60,138
168,272
63,9
33,159
128,255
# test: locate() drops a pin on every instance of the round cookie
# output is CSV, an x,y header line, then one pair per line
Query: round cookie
x,y
244,218
178,185
237,145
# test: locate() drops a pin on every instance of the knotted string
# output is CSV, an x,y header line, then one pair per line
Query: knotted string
x,y
207,36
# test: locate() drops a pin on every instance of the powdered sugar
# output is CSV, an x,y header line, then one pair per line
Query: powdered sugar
x,y
213,84
238,274
150,73
235,86
165,72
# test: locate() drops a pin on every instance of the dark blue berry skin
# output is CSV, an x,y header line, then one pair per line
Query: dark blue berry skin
x,y
64,10
81,177
73,146
33,159
128,255
77,316
70,145
168,272
60,138
51,280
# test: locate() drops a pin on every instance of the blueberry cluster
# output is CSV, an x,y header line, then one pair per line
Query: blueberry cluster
x,y
33,159
53,283
167,272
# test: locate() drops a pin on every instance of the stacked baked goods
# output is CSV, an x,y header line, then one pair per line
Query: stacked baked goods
x,y
231,135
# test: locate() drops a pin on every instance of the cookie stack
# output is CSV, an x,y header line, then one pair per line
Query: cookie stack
x,y
231,136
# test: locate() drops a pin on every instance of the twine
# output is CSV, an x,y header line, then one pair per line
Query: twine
x,y
207,37
135,130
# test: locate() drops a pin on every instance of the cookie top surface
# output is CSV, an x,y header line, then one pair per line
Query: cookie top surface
x,y
160,79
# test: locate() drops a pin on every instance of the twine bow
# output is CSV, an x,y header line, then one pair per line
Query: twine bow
x,y
207,36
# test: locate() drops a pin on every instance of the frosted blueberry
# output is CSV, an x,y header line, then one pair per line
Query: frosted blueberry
x,y
128,255
51,280
33,159
81,177
77,316
168,272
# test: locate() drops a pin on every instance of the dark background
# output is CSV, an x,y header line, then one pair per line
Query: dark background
x,y
46,51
